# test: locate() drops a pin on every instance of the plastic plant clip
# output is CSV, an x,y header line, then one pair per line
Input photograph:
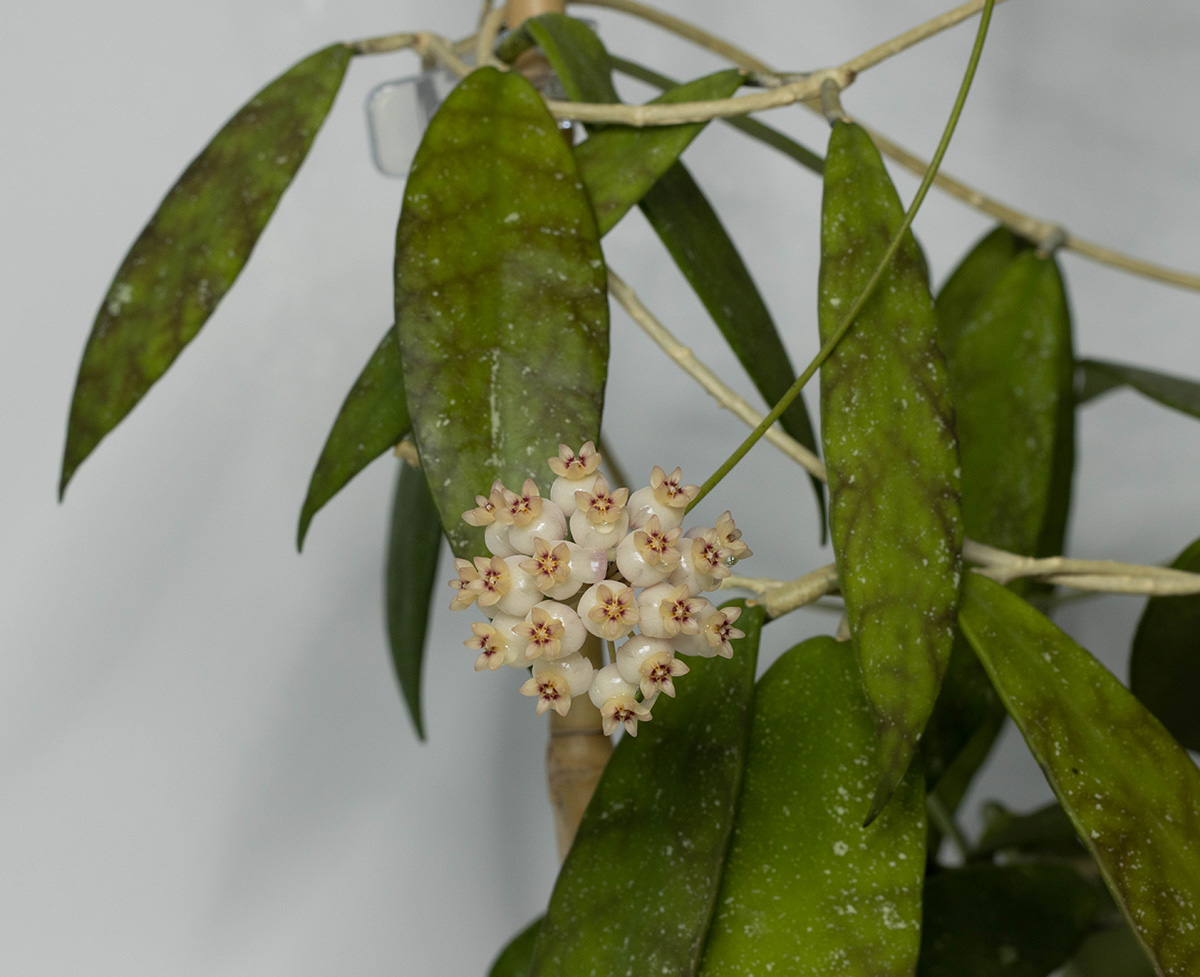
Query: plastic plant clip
x,y
398,113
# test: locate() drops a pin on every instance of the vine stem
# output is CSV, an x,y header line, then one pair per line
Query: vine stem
x,y
877,275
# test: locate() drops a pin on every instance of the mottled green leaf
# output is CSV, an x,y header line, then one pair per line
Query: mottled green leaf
x,y
639,884
501,308
514,959
1164,668
1046,831
974,277
689,227
1011,366
620,163
747,125
372,418
685,221
415,539
1003,920
1131,791
887,428
197,242
1100,376
808,890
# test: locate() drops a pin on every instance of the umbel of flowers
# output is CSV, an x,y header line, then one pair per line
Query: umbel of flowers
x,y
588,558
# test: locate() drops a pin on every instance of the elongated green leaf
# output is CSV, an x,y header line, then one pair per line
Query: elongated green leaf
x,y
197,242
1100,376
1110,953
1011,367
748,126
372,418
620,164
501,309
514,959
1164,668
1131,791
966,705
415,539
887,427
1003,920
689,227
807,889
974,277
638,886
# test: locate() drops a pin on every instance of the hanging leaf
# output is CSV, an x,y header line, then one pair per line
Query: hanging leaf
x,y
1131,791
888,432
501,309
1164,668
372,419
194,247
682,217
807,889
641,878
974,277
1099,377
415,540
514,958
1003,920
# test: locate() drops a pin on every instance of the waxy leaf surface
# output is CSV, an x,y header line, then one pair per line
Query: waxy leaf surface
x,y
1003,920
372,419
888,430
1099,377
807,889
501,308
638,887
414,541
686,222
194,247
1131,791
973,279
1164,668
514,958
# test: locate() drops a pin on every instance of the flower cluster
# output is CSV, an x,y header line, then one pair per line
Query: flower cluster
x,y
591,559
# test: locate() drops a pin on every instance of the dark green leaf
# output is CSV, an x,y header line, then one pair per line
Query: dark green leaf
x,y
514,959
685,221
620,163
888,431
372,418
1112,953
807,889
750,127
1131,791
638,886
1164,668
197,242
501,308
1010,365
1046,831
414,541
973,279
1099,376
1003,920
577,56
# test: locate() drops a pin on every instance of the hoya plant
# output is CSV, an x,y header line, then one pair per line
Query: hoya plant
x,y
805,818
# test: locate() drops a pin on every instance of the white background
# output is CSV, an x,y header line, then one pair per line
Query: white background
x,y
205,768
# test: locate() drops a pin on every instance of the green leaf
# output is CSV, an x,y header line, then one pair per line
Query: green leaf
x,y
577,56
1003,920
641,879
194,247
414,542
1131,791
1011,366
1110,953
685,221
888,432
1046,831
1101,376
748,126
501,308
1164,668
974,277
372,418
807,889
514,958
620,163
